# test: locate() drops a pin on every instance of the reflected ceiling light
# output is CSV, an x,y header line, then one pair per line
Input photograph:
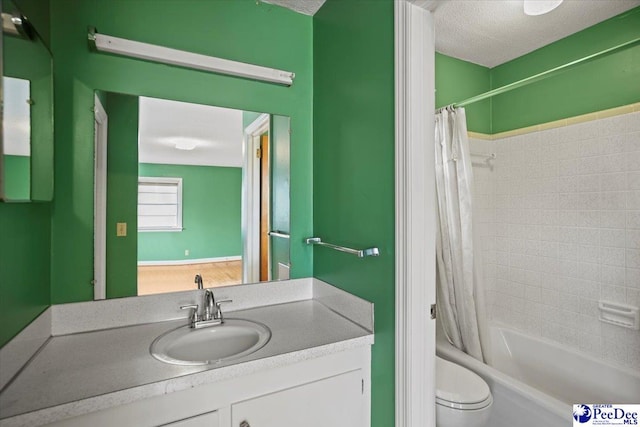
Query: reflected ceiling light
x,y
181,58
540,7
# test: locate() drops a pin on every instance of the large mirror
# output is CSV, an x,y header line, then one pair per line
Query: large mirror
x,y
187,195
26,147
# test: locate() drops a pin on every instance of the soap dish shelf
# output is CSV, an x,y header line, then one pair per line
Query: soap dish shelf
x,y
618,314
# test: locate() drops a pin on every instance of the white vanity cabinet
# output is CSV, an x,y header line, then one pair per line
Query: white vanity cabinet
x,y
335,402
210,419
327,391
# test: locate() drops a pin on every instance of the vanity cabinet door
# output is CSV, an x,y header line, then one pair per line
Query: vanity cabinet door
x,y
333,402
210,419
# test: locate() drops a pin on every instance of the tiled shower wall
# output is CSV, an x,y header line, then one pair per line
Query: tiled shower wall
x,y
558,214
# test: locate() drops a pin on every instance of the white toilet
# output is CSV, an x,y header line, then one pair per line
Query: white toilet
x,y
463,399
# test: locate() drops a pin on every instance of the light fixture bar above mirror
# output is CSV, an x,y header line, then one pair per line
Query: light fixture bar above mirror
x,y
181,58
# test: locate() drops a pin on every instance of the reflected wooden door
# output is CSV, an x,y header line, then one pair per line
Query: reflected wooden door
x,y
265,202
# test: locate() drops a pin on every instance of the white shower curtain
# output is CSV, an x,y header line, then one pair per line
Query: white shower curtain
x,y
457,279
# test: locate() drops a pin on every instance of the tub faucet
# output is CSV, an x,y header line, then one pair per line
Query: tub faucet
x,y
198,281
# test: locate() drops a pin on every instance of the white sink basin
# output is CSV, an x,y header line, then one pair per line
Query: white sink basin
x,y
233,339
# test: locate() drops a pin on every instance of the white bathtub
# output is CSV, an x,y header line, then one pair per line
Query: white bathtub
x,y
535,381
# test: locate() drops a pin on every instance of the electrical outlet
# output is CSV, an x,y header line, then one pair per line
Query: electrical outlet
x,y
121,229
186,252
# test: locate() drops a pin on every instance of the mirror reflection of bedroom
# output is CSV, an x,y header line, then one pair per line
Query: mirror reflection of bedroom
x,y
196,225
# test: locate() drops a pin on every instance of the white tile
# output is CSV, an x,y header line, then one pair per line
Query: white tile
x,y
548,217
613,293
612,275
567,168
631,141
612,256
548,249
588,271
633,258
549,297
633,180
633,239
589,253
633,297
549,233
615,144
590,201
613,200
632,278
588,183
590,147
568,251
569,303
633,200
613,219
567,234
533,294
589,165
613,237
613,163
568,268
613,181
632,161
588,236
588,219
567,218
588,307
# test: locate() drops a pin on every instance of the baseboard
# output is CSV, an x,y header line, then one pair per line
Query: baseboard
x,y
191,261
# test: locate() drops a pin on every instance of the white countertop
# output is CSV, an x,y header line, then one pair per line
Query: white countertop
x,y
84,372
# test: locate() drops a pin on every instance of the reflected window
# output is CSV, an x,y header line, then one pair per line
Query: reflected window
x,y
159,204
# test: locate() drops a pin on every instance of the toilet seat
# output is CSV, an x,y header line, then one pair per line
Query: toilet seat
x,y
459,388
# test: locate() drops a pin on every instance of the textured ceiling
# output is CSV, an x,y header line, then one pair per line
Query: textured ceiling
x,y
491,32
307,7
217,133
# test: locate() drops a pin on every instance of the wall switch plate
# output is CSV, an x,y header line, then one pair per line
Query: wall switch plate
x,y
186,252
121,229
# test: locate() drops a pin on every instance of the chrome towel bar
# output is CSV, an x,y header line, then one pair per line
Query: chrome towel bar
x,y
276,233
361,253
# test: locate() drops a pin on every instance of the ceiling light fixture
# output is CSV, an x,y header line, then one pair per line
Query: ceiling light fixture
x,y
540,7
181,58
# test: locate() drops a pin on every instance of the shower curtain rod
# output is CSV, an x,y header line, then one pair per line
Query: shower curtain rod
x,y
543,75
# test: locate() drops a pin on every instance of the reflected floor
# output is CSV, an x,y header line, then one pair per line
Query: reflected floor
x,y
157,279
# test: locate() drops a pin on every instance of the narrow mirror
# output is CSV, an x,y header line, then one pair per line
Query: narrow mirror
x,y
26,148
188,195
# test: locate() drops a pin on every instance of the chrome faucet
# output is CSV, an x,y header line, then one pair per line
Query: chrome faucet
x,y
198,280
212,314
209,304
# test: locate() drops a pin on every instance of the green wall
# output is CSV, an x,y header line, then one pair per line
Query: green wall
x,y
457,80
211,214
25,241
608,82
229,29
17,176
122,194
353,161
24,265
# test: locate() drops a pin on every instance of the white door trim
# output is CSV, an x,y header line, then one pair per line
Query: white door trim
x,y
100,202
251,199
415,215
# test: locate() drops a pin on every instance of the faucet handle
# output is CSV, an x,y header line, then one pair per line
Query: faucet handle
x,y
218,310
193,317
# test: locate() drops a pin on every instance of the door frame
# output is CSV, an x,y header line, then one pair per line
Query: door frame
x,y
251,198
415,212
100,201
